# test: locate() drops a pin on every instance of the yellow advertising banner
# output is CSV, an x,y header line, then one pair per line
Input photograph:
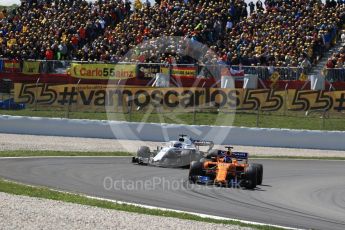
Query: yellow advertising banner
x,y
31,67
99,97
189,71
303,77
12,66
103,71
275,76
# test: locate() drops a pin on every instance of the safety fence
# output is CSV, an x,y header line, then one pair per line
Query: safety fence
x,y
144,70
335,74
304,109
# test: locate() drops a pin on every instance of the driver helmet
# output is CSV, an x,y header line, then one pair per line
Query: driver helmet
x,y
228,156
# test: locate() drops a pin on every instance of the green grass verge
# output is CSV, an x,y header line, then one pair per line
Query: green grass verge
x,y
291,120
42,192
24,153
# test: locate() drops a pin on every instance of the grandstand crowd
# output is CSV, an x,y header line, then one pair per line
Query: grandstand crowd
x,y
268,33
337,60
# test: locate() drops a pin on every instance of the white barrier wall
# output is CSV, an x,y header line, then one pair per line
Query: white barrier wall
x,y
227,82
156,132
250,81
317,82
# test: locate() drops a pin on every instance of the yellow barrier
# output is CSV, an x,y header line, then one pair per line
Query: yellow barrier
x,y
31,67
103,71
180,71
95,97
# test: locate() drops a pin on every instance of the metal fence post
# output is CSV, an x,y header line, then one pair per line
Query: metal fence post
x,y
36,93
324,119
170,71
77,88
118,100
69,105
285,98
129,107
53,66
257,117
194,109
194,97
68,108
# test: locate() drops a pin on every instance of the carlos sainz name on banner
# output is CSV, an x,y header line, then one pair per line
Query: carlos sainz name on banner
x,y
103,71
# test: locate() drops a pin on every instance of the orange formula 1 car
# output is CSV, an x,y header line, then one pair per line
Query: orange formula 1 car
x,y
226,168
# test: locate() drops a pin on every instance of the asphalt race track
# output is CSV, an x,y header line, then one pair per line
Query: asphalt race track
x,y
295,193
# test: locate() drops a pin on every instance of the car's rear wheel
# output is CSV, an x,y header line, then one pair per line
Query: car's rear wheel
x,y
203,160
251,175
260,170
143,151
212,154
196,169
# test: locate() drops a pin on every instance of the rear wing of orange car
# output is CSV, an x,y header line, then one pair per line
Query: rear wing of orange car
x,y
240,156
243,156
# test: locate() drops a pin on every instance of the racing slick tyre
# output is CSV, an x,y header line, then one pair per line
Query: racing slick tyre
x,y
134,160
251,175
203,160
212,154
260,170
143,151
195,170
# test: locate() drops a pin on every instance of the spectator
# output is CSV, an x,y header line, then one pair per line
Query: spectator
x,y
330,63
49,54
3,14
259,6
305,64
337,59
251,8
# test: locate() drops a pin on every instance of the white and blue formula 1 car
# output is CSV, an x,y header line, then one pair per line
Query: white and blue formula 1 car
x,y
174,154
